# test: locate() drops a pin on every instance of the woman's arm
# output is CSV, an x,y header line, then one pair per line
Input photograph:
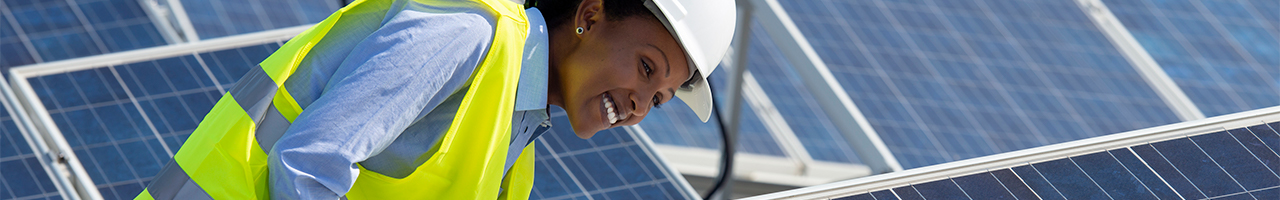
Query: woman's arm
x,y
381,88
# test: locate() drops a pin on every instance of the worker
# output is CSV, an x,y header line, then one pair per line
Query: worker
x,y
436,99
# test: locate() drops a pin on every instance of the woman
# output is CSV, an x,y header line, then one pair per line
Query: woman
x,y
439,99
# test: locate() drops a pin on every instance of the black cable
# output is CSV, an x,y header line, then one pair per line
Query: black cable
x,y
726,155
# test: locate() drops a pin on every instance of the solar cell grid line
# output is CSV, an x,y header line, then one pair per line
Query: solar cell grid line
x,y
908,192
1104,175
173,87
613,164
1070,180
794,103
1260,137
1037,182
936,144
1143,174
1013,184
1224,149
671,124
676,130
983,186
1172,177
220,18
1220,52
910,66
659,164
1271,140
58,30
24,176
884,195
123,165
1200,169
15,41
917,50
1113,177
120,152
1189,160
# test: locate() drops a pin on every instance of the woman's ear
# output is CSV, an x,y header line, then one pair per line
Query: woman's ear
x,y
589,12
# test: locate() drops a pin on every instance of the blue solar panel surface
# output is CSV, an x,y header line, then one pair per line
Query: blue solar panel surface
x,y
21,176
947,80
33,31
1225,55
674,124
218,18
120,133
794,102
1235,164
613,164
101,111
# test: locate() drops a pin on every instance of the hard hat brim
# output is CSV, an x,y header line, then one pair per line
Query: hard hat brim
x,y
697,95
714,22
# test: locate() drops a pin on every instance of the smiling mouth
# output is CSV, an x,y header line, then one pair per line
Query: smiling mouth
x,y
611,110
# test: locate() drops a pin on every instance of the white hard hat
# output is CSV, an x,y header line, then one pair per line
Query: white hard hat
x,y
704,28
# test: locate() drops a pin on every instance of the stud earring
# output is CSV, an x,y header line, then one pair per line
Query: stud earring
x,y
579,30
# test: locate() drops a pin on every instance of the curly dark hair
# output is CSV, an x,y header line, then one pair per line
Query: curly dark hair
x,y
559,12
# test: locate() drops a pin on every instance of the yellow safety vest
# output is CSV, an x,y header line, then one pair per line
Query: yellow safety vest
x,y
223,159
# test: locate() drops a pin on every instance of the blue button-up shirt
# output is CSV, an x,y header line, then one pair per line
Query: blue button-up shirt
x,y
395,93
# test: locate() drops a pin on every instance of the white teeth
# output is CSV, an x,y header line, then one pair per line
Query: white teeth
x,y
613,117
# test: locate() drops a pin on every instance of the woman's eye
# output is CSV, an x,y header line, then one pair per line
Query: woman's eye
x,y
647,70
656,101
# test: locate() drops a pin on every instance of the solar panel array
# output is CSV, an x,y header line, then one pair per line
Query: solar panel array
x,y
1225,55
673,124
1236,164
945,80
219,18
939,80
21,174
36,31
124,122
797,106
613,164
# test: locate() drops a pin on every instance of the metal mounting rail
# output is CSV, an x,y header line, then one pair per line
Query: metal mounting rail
x,y
57,156
1033,155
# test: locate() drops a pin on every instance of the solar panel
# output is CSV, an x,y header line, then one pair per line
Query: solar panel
x,y
675,124
219,18
124,121
21,176
100,112
943,81
1223,54
613,164
794,102
44,31
1235,164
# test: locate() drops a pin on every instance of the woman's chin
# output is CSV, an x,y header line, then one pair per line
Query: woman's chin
x,y
584,128
584,135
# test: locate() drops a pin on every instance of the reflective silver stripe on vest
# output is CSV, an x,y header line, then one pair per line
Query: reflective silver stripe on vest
x,y
271,128
173,183
254,92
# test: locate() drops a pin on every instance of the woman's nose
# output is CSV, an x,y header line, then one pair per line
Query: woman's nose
x,y
640,105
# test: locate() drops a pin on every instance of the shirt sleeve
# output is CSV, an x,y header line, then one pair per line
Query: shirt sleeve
x,y
386,81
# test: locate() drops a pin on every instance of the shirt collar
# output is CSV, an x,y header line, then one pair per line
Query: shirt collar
x,y
531,94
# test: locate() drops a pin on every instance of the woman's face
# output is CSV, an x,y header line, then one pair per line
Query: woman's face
x,y
616,72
